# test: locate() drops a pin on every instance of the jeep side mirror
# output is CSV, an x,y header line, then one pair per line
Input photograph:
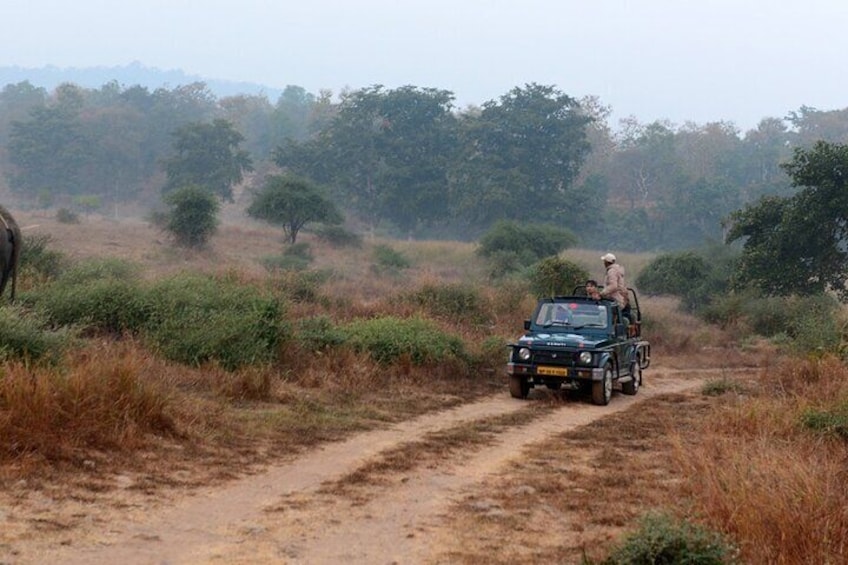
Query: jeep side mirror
x,y
526,324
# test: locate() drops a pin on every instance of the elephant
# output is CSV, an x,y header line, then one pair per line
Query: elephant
x,y
10,250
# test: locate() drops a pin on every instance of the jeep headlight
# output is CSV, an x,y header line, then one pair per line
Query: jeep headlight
x,y
585,358
524,354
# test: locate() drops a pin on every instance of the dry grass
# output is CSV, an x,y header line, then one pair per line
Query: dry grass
x,y
739,462
762,477
573,495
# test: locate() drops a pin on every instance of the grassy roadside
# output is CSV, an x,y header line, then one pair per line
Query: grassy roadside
x,y
758,461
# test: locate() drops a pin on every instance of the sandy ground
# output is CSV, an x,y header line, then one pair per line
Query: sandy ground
x,y
283,515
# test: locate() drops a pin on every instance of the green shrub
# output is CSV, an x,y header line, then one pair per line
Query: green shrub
x,y
65,216
815,325
672,273
192,217
300,286
195,319
662,539
338,236
296,257
23,336
98,269
717,387
555,276
696,277
501,264
100,295
36,257
107,305
828,422
492,354
512,243
389,338
804,324
455,301
386,257
318,333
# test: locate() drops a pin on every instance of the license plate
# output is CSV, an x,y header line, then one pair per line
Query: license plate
x,y
552,371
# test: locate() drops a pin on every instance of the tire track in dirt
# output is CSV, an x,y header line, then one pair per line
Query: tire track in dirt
x,y
278,517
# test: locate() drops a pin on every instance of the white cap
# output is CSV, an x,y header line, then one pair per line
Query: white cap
x,y
608,258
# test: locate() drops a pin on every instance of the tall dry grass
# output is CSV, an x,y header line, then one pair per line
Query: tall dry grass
x,y
763,477
98,399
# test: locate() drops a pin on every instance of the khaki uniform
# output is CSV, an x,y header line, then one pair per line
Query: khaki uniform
x,y
614,286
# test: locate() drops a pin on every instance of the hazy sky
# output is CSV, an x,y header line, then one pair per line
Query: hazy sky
x,y
682,60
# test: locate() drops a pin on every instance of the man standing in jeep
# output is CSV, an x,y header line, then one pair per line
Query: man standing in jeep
x,y
614,286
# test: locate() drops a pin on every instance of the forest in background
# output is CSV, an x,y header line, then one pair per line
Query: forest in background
x,y
407,163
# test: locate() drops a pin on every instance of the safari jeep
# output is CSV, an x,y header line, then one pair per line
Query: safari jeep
x,y
577,343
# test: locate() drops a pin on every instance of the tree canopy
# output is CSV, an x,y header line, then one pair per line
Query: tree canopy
x,y
291,203
207,155
797,244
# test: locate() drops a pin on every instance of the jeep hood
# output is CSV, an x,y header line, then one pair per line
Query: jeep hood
x,y
565,340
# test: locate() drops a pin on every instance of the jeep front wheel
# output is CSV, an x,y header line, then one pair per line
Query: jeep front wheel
x,y
602,390
518,386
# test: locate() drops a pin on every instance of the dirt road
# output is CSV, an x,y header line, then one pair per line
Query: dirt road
x,y
319,508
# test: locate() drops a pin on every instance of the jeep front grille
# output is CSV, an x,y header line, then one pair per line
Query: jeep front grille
x,y
564,358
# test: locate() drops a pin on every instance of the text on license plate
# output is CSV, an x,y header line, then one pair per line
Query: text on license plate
x,y
552,371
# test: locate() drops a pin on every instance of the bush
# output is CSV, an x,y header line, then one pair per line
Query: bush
x,y
65,216
196,319
193,216
672,273
103,295
511,243
828,422
338,236
296,257
455,301
809,322
300,286
698,278
662,539
318,334
555,276
24,337
388,339
386,257
38,260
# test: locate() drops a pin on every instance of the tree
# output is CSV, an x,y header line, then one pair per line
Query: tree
x,y
48,152
521,156
193,216
387,153
796,245
291,203
207,156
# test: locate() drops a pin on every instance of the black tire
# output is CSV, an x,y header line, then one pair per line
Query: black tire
x,y
602,390
518,386
632,387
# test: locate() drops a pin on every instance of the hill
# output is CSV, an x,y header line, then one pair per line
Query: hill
x,y
132,74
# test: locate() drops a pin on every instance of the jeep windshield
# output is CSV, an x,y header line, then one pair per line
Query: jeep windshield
x,y
572,314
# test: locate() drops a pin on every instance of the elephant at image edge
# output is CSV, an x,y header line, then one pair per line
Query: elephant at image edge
x,y
10,250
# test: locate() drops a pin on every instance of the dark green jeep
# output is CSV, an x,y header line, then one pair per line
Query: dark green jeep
x,y
577,343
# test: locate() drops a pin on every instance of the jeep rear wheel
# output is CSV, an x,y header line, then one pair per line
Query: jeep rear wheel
x,y
518,386
632,387
602,390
